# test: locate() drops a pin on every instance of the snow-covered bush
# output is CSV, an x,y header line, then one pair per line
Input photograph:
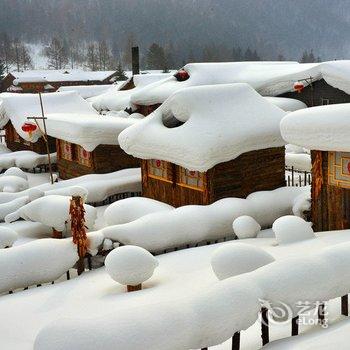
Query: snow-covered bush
x,y
130,265
36,262
7,237
130,209
245,227
12,183
236,258
52,211
302,204
14,171
290,229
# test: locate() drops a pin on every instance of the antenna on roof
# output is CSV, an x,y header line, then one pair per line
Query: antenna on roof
x,y
135,60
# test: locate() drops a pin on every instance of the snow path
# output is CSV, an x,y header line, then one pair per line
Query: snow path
x,y
94,294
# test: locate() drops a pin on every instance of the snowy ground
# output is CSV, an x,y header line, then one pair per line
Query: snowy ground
x,y
179,275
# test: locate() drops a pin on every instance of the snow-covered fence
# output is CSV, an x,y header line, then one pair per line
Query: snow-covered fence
x,y
216,315
297,178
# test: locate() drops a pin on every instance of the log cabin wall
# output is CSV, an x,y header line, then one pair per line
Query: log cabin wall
x,y
252,171
261,170
16,143
330,205
104,159
320,94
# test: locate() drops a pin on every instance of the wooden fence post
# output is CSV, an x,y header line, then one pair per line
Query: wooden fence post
x,y
295,326
345,305
236,340
264,326
321,314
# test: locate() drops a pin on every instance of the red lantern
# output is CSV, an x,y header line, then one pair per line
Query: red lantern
x,y
349,167
158,163
181,75
29,128
298,86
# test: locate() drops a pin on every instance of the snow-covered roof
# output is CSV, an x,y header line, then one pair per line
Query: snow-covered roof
x,y
18,107
324,128
116,99
87,91
59,75
87,130
268,78
287,104
219,123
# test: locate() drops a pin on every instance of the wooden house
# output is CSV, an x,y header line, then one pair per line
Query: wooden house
x,y
208,143
88,144
16,108
34,81
324,130
119,97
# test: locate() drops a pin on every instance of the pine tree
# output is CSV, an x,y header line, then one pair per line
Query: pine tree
x,y
120,73
156,58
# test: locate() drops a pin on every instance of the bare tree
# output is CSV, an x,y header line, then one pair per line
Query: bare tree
x,y
104,55
57,54
92,57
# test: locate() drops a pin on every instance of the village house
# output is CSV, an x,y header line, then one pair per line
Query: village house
x,y
118,97
207,143
324,130
16,108
33,81
88,144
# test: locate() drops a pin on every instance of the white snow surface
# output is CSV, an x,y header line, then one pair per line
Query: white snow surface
x,y
211,315
130,265
237,258
287,104
11,183
319,128
36,262
220,123
7,237
130,209
245,227
86,91
25,159
14,171
268,78
94,296
192,224
52,211
88,131
98,186
117,99
18,107
290,229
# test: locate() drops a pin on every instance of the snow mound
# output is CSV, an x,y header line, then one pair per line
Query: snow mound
x,y
302,204
234,259
245,227
130,209
130,265
24,159
13,183
12,206
52,211
14,171
36,262
290,229
7,237
192,224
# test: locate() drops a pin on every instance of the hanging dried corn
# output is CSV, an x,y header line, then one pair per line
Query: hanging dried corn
x,y
78,229
317,174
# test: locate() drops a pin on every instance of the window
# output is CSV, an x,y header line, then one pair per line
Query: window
x,y
84,157
191,179
325,101
160,169
66,150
